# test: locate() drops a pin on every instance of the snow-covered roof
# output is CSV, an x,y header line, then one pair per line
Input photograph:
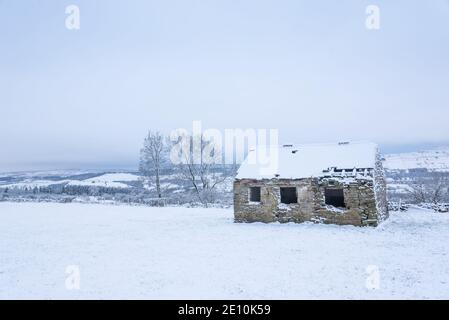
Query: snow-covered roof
x,y
306,160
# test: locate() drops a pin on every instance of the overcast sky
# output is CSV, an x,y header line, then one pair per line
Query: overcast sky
x,y
308,68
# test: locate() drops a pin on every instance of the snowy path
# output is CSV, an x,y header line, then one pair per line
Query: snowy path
x,y
141,252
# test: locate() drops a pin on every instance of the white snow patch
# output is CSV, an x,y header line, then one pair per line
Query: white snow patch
x,y
111,180
309,160
284,206
335,209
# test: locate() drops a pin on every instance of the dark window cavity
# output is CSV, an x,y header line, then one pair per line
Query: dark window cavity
x,y
288,195
334,197
254,194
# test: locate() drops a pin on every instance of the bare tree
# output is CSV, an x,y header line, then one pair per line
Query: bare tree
x,y
431,190
418,192
152,158
202,167
437,187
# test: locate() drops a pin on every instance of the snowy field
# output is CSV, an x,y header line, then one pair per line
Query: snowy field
x,y
432,160
143,252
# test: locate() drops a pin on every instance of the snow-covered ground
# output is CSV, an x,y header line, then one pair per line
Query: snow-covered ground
x,y
124,180
110,180
400,188
40,179
432,160
144,252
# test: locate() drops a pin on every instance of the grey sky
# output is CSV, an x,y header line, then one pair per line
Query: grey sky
x,y
309,68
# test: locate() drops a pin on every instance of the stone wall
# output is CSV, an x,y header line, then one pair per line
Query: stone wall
x,y
380,189
358,194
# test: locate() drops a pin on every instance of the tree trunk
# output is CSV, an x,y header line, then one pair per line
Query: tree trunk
x,y
158,184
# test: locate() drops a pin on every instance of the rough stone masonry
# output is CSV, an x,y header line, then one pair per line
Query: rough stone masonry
x,y
362,190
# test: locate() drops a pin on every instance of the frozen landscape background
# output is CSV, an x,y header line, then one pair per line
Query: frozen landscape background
x,y
405,172
77,103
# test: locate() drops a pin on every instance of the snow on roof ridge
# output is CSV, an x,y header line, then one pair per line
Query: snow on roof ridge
x,y
315,144
305,160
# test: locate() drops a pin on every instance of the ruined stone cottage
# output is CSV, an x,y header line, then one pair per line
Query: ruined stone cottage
x,y
339,183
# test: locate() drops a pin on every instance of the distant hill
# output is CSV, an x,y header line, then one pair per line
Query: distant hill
x,y
37,179
432,160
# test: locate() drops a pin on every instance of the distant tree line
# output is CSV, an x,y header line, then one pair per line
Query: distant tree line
x,y
195,167
195,180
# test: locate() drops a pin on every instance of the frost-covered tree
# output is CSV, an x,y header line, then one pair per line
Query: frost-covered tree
x,y
438,188
418,192
153,156
431,190
201,166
